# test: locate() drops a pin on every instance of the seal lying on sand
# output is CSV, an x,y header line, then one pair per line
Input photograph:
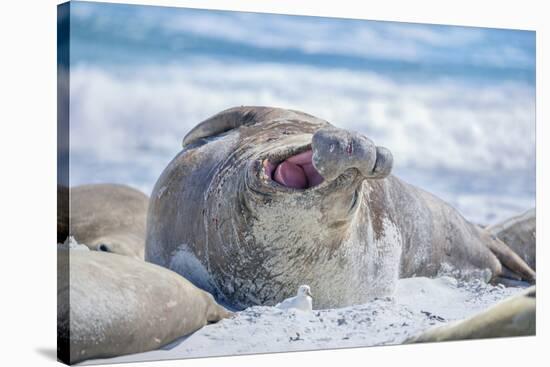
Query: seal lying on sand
x,y
520,234
109,218
261,200
515,316
119,305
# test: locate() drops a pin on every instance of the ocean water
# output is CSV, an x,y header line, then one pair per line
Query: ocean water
x,y
455,105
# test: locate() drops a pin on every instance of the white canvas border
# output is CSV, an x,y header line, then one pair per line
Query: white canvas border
x,y
28,129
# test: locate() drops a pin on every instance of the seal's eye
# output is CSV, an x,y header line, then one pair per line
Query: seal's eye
x,y
103,247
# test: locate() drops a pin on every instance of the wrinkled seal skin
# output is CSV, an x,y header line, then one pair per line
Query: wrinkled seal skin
x,y
515,316
119,305
519,233
216,217
109,217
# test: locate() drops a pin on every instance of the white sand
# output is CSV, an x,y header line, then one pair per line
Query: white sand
x,y
419,303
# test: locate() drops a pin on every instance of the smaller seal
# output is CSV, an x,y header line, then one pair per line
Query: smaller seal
x,y
109,218
515,316
119,305
519,233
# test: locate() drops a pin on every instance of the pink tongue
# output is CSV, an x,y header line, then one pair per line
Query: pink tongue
x,y
313,177
290,175
302,158
296,171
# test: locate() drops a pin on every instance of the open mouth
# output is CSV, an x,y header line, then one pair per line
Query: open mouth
x,y
296,171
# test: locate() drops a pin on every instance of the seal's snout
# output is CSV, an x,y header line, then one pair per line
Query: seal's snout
x,y
337,150
332,152
296,171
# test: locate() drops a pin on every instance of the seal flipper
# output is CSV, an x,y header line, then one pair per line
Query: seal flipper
x,y
515,316
513,264
519,233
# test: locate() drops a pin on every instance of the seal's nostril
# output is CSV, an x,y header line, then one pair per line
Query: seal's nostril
x,y
337,150
349,149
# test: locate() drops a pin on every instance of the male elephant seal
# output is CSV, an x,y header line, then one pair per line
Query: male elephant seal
x,y
516,316
261,200
519,233
119,305
109,218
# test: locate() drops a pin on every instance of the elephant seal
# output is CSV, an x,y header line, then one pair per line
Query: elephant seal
x,y
119,305
109,218
519,233
261,200
515,316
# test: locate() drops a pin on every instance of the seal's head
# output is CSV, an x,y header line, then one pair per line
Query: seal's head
x,y
119,244
263,198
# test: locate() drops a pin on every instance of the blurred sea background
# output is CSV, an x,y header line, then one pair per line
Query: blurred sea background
x,y
455,105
